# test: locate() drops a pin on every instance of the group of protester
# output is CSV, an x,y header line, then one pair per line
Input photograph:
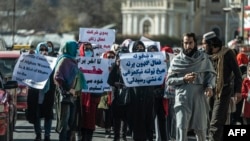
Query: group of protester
x,y
202,83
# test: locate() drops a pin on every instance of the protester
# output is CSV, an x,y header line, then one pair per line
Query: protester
x,y
51,49
119,103
69,81
141,106
228,82
104,106
192,74
159,112
168,98
41,102
90,101
242,61
245,90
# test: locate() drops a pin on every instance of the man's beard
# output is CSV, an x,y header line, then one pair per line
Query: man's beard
x,y
190,52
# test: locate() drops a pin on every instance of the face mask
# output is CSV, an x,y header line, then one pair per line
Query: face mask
x,y
88,53
77,52
49,49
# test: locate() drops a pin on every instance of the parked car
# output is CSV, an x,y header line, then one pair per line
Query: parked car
x,y
8,60
7,109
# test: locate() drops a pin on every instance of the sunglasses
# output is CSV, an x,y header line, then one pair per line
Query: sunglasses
x,y
88,49
111,57
43,49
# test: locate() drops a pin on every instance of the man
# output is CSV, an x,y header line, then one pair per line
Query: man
x,y
228,80
192,74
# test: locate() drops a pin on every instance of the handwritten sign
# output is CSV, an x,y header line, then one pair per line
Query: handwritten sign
x,y
96,71
33,70
143,69
103,38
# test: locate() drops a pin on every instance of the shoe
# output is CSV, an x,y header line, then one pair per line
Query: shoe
x,y
38,137
47,138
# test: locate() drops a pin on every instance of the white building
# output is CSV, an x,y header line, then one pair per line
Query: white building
x,y
175,17
157,17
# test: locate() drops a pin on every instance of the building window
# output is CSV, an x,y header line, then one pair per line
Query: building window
x,y
215,0
146,27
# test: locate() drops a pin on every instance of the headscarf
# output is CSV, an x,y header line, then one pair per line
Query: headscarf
x,y
69,51
47,85
37,51
154,47
82,48
108,52
167,49
136,43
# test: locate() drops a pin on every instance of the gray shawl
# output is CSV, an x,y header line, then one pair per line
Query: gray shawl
x,y
199,63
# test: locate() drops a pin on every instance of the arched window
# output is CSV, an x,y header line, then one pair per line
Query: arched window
x,y
146,27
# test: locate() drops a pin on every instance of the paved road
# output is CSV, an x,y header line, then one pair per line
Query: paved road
x,y
24,131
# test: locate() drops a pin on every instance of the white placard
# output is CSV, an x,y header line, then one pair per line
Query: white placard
x,y
143,69
33,69
96,72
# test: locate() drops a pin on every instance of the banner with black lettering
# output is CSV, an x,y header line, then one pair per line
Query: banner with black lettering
x,y
143,69
33,69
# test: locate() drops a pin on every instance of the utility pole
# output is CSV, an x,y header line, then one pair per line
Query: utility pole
x,y
242,20
227,9
14,22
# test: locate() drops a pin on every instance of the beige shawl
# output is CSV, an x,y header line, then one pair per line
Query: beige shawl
x,y
219,57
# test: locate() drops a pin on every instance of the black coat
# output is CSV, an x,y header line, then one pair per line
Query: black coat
x,y
46,109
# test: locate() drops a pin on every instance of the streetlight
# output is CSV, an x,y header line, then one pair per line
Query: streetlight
x,y
226,10
242,19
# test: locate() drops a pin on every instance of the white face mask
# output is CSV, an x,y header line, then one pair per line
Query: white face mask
x,y
49,49
88,53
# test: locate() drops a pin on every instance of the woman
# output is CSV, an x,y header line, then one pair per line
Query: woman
x,y
89,101
41,102
70,82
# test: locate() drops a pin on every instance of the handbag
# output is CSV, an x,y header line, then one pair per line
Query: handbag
x,y
67,98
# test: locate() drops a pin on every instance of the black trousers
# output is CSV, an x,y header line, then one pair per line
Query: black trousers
x,y
218,115
120,115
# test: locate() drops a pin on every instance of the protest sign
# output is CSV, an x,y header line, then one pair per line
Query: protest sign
x,y
33,69
143,69
96,71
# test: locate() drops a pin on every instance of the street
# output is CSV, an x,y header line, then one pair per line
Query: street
x,y
24,131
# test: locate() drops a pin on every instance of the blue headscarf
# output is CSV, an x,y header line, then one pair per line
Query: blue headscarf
x,y
44,44
47,85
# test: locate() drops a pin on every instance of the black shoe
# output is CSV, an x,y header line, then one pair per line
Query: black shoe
x,y
38,137
47,138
